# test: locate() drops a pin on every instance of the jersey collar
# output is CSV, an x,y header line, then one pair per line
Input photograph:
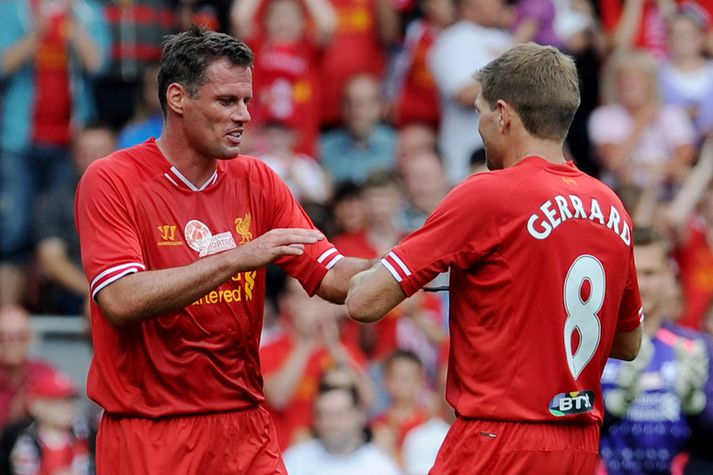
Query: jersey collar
x,y
176,177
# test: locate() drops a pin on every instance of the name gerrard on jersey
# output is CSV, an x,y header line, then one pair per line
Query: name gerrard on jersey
x,y
559,209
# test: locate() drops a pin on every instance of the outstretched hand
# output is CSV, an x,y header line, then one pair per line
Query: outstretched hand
x,y
273,244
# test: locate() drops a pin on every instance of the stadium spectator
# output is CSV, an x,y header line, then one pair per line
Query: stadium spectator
x,y
63,287
406,386
340,446
687,77
413,94
347,209
637,139
294,363
534,20
211,15
425,183
366,29
513,244
177,310
147,121
287,53
50,445
304,175
458,51
689,220
651,401
414,138
637,24
364,143
17,370
137,29
48,51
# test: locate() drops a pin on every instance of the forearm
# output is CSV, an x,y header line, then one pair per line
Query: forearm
x,y
372,294
466,97
143,295
86,49
628,23
324,17
15,56
242,18
280,387
693,188
335,284
55,264
387,22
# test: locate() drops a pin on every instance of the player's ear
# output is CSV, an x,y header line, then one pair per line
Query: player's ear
x,y
175,97
505,115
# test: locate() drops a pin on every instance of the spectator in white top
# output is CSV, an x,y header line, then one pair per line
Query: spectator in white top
x,y
341,446
459,51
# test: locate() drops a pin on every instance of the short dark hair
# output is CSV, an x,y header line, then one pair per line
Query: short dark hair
x,y
350,389
645,236
539,82
381,178
187,55
402,355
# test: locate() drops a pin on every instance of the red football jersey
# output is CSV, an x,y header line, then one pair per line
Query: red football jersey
x,y
542,277
136,212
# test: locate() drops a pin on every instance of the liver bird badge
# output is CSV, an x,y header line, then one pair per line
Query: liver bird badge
x,y
242,227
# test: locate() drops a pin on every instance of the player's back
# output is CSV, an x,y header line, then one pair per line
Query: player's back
x,y
533,318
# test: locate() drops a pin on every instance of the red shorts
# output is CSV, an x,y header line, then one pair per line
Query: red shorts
x,y
241,442
512,448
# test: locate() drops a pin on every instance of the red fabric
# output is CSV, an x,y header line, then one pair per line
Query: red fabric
x,y
141,14
75,452
652,31
506,448
296,418
286,88
419,100
232,443
53,101
354,49
134,212
418,417
12,398
695,261
509,282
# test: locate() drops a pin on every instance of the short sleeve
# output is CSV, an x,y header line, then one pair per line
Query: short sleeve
x,y
311,267
630,311
461,231
109,237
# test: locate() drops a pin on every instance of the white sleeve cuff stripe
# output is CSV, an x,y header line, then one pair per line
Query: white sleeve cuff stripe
x,y
392,270
116,268
326,254
401,264
112,279
334,261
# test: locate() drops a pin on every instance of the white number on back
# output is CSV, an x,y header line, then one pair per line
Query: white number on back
x,y
582,315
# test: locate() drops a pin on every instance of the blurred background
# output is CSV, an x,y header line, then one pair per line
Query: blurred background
x,y
364,107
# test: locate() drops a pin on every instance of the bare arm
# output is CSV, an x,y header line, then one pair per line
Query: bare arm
x,y
85,47
143,295
372,294
625,31
281,385
55,264
335,284
387,22
693,188
626,345
526,30
243,15
466,96
325,19
16,55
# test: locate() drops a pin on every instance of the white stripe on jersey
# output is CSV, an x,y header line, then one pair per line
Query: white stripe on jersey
x,y
400,263
116,268
391,269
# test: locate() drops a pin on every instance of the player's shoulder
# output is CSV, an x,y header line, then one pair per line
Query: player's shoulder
x,y
122,165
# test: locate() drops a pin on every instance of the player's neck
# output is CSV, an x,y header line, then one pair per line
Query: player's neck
x,y
546,149
194,167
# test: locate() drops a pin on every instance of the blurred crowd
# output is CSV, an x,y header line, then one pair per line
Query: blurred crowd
x,y
365,109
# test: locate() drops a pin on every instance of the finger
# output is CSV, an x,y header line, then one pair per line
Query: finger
x,y
290,250
300,233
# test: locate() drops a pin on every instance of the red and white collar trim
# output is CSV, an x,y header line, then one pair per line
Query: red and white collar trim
x,y
176,177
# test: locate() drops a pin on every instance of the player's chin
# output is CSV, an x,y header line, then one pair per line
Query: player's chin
x,y
229,152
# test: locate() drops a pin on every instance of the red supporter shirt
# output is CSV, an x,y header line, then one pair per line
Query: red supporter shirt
x,y
13,398
542,277
354,49
695,260
136,212
295,419
286,86
651,32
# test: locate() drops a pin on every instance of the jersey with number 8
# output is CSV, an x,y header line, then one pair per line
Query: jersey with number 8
x,y
542,278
